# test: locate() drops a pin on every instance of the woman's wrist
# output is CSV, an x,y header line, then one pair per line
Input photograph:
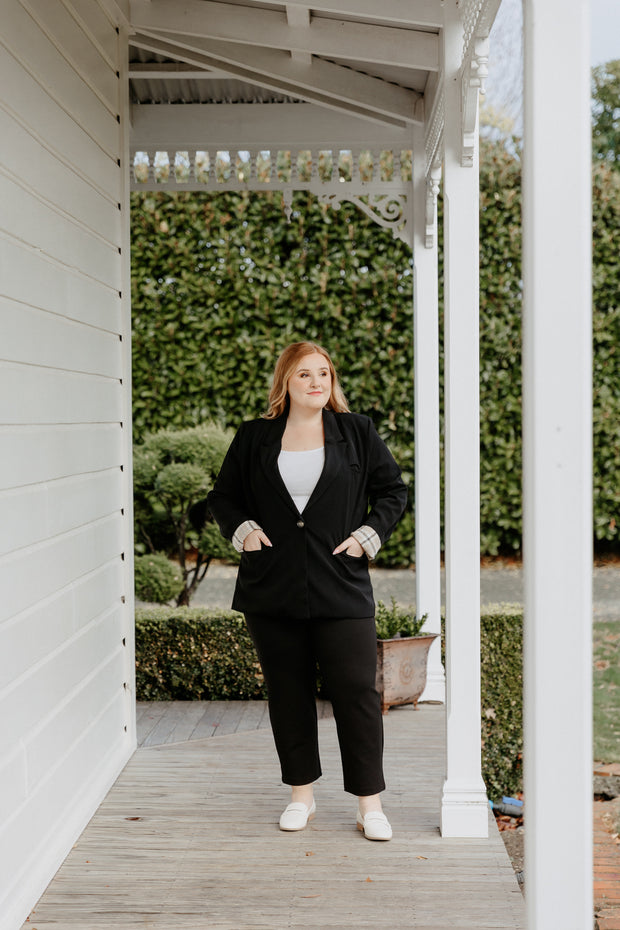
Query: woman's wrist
x,y
242,532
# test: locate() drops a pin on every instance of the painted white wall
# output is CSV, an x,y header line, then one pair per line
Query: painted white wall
x,y
66,607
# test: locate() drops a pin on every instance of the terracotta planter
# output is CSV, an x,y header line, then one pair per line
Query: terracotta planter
x,y
401,669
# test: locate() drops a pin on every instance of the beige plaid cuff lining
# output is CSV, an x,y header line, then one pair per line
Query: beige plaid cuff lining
x,y
368,540
243,531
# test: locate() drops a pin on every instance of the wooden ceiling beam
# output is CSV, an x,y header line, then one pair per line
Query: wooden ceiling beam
x,y
298,17
321,82
292,30
273,126
174,71
426,13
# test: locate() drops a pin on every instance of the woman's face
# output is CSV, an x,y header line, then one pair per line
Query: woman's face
x,y
310,385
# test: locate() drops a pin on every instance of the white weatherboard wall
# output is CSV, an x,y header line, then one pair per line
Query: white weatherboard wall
x,y
66,641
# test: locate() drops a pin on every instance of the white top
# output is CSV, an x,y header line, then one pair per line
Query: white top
x,y
300,472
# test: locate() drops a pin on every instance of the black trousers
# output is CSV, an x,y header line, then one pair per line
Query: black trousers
x,y
346,653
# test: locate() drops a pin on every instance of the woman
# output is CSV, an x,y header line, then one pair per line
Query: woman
x,y
293,495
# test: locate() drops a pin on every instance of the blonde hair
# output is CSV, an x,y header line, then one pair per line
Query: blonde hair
x,y
285,367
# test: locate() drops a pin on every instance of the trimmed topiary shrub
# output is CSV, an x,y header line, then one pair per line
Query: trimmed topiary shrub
x,y
157,579
173,472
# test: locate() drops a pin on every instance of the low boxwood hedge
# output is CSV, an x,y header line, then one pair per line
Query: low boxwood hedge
x,y
501,655
185,654
195,654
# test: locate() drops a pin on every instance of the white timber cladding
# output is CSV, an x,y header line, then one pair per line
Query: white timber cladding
x,y
66,641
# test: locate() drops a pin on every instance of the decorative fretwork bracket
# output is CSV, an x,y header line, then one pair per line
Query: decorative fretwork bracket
x,y
390,211
377,186
473,78
478,17
432,192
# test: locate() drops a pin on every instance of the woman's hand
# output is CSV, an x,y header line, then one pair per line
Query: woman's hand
x,y
352,548
255,540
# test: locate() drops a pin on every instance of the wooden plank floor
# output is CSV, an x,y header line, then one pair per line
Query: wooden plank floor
x,y
175,721
188,838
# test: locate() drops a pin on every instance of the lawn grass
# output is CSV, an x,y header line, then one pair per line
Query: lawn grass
x,y
606,647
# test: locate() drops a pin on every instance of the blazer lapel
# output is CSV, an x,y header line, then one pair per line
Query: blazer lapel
x,y
338,454
270,449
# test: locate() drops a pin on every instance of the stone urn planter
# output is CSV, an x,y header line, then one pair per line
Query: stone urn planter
x,y
401,668
402,653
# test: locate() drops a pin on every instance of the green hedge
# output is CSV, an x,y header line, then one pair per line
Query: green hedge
x,y
221,282
194,654
501,673
187,654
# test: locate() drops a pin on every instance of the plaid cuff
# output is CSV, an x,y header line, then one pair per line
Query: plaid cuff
x,y
242,531
368,540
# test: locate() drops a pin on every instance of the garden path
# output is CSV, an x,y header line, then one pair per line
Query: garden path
x,y
500,582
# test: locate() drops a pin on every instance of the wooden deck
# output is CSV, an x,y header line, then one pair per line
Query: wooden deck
x,y
188,838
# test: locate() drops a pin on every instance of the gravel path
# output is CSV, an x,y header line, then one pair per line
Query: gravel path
x,y
499,583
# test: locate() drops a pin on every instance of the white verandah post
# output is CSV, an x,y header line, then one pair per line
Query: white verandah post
x,y
464,806
557,456
426,421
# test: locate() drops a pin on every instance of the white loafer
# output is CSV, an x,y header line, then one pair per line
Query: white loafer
x,y
374,826
296,816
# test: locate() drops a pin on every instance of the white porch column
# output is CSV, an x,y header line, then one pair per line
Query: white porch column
x,y
464,806
557,465
426,422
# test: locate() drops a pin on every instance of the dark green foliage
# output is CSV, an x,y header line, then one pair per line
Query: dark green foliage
x,y
187,654
157,579
501,634
500,350
606,358
221,282
606,113
173,472
399,550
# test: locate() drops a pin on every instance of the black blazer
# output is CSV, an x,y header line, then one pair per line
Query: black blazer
x,y
299,577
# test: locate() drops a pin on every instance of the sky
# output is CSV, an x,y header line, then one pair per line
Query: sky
x,y
605,28
504,86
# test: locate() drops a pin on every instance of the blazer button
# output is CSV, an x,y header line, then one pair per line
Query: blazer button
x,y
300,524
